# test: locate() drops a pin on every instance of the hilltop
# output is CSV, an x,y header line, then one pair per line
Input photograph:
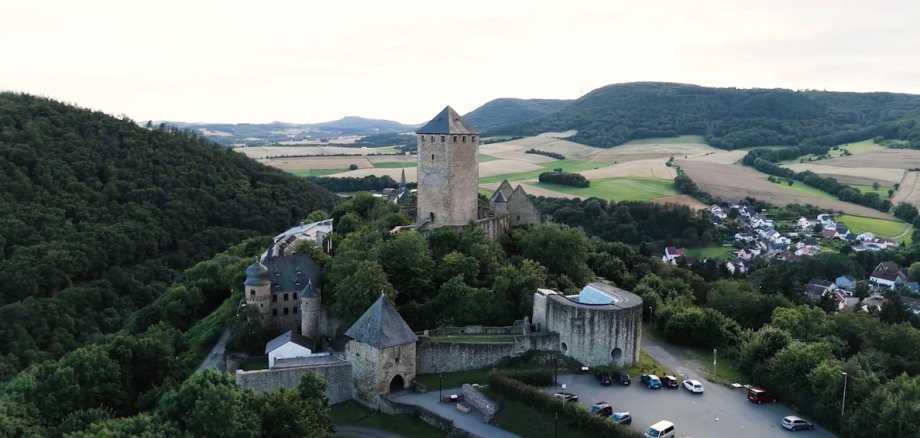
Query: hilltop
x,y
508,111
265,133
97,216
729,118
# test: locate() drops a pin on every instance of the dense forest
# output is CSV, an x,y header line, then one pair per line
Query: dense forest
x,y
369,183
729,118
507,111
98,215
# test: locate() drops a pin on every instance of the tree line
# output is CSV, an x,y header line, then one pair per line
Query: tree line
x,y
370,183
565,178
545,153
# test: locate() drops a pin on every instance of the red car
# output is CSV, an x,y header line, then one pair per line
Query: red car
x,y
670,382
760,395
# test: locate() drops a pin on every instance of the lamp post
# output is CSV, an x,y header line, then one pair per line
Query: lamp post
x,y
843,404
440,387
715,365
556,426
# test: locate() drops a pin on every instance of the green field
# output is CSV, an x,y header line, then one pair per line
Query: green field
x,y
801,187
483,158
619,189
316,172
350,412
394,164
710,251
856,148
566,165
680,139
879,227
882,191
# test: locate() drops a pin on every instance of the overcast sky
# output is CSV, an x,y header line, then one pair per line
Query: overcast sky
x,y
312,61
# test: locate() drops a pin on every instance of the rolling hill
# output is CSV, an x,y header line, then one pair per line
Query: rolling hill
x,y
264,133
507,111
729,118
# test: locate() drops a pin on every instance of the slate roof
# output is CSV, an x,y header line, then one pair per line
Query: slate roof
x,y
505,188
888,267
820,282
309,291
257,275
381,326
447,122
291,273
498,196
289,336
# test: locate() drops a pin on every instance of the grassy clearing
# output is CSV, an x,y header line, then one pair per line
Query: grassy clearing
x,y
710,251
881,191
856,148
517,417
454,380
647,364
681,139
727,372
350,412
566,165
473,339
315,172
394,165
483,158
803,188
879,227
619,189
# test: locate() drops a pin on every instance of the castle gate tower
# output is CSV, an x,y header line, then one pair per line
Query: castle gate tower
x,y
448,170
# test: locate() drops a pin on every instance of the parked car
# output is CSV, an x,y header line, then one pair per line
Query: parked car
x,y
693,386
604,378
621,418
794,423
670,382
601,408
661,429
621,377
651,380
760,395
565,396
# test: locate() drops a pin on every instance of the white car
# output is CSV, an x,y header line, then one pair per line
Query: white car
x,y
693,386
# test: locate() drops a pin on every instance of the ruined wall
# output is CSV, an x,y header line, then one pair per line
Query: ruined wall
x,y
337,378
522,210
596,335
451,357
495,227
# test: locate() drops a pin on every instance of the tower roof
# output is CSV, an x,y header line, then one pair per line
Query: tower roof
x,y
257,275
310,290
447,122
498,197
381,326
402,179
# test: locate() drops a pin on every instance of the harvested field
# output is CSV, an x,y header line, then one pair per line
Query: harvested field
x,y
520,155
564,147
649,168
499,167
852,175
564,134
393,159
734,183
909,191
280,151
686,200
392,172
887,158
678,147
317,162
727,157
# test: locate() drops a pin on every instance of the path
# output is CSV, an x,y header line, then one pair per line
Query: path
x,y
353,431
906,230
215,359
470,422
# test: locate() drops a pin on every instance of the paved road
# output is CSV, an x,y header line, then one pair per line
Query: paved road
x,y
215,359
719,412
471,422
352,431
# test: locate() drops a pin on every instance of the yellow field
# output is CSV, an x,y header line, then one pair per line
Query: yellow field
x,y
392,172
723,157
648,168
336,162
677,147
909,191
852,175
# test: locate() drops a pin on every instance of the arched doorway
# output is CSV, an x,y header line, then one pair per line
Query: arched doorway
x,y
397,384
617,355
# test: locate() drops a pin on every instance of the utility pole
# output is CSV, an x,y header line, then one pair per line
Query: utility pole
x,y
843,405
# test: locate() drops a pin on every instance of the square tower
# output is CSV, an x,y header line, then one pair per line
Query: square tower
x,y
448,171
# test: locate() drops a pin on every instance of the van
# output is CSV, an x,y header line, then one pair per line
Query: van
x,y
661,429
760,395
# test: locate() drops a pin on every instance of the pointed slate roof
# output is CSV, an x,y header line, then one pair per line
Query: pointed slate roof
x,y
498,197
518,191
402,179
447,122
381,326
289,336
309,291
505,188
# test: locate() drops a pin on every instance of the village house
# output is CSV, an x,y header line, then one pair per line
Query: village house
x,y
289,345
805,224
671,254
887,275
912,305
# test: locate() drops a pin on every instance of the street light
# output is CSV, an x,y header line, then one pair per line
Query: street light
x,y
714,364
843,405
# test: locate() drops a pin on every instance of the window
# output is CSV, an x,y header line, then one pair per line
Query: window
x,y
519,217
285,297
286,310
455,139
295,310
432,138
473,139
252,291
431,216
274,298
463,139
432,157
295,296
274,312
443,138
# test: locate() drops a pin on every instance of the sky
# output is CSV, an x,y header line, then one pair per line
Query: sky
x,y
314,61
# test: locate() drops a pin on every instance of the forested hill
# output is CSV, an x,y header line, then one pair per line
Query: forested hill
x,y
729,117
97,214
265,133
506,111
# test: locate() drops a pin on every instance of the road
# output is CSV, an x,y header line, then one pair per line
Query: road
x,y
215,359
470,422
352,431
720,412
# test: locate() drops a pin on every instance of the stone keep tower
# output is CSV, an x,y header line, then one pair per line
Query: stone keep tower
x,y
309,311
448,171
258,290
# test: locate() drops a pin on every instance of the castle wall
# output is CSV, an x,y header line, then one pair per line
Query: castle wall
x,y
451,357
595,334
448,179
495,226
515,329
522,211
337,378
398,360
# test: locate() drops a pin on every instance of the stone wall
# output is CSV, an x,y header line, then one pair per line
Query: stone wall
x,y
450,357
448,179
521,209
516,329
337,378
495,226
595,334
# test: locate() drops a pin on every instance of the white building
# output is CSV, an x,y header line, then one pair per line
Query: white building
x,y
283,244
288,346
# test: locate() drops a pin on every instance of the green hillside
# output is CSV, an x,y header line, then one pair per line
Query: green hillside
x,y
729,118
506,111
97,215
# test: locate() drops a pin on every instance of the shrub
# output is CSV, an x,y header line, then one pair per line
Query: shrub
x,y
565,178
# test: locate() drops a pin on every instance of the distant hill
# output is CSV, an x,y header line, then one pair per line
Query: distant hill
x,y
503,112
98,215
729,118
265,133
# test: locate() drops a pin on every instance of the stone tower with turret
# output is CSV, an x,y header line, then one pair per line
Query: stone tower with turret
x,y
448,171
258,290
310,308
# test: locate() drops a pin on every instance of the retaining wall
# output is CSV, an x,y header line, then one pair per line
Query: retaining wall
x,y
337,377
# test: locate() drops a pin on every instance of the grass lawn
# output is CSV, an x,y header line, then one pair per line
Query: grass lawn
x,y
473,339
483,158
566,165
647,364
394,165
350,412
316,172
882,191
454,380
680,139
801,187
517,417
255,363
879,227
619,189
727,371
710,251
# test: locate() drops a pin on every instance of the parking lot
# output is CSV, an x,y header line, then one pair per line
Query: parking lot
x,y
719,412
